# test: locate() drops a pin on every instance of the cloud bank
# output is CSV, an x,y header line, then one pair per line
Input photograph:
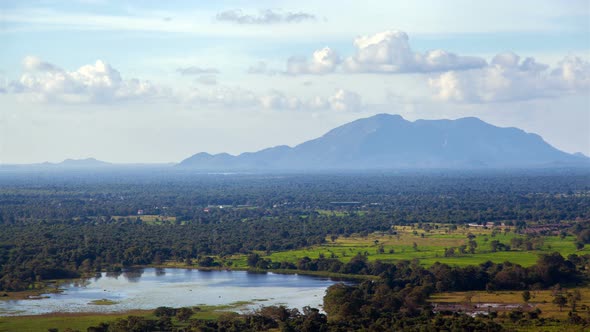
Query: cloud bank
x,y
390,52
94,83
387,52
267,16
224,97
510,78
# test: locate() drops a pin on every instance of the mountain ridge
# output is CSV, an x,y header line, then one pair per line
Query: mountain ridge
x,y
386,141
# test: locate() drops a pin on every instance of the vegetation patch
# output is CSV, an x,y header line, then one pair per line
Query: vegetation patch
x,y
442,243
103,302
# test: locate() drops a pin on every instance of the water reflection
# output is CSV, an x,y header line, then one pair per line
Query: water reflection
x,y
113,274
133,275
151,288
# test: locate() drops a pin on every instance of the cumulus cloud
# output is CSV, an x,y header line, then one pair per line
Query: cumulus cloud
x,y
508,78
33,63
384,52
277,100
341,100
344,100
267,16
98,83
194,70
390,52
322,62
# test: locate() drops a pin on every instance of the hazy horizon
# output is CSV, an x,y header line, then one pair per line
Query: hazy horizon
x,y
92,159
146,82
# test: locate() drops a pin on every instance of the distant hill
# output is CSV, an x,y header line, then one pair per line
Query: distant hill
x,y
387,141
88,162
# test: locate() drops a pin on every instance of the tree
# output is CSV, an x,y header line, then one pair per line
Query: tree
x,y
462,250
472,245
573,298
184,314
164,312
526,296
494,245
560,301
253,259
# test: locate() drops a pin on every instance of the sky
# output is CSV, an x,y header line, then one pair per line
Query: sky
x,y
157,81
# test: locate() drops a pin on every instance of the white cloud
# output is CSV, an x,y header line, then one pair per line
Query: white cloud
x,y
390,52
509,78
238,98
101,83
277,100
384,52
573,74
97,83
344,100
33,63
322,62
267,16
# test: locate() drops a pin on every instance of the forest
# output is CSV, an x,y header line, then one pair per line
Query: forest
x,y
58,225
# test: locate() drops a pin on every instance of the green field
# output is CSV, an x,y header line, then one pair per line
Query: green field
x,y
430,247
81,321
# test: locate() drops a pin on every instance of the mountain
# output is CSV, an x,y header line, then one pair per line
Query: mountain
x,y
386,141
88,162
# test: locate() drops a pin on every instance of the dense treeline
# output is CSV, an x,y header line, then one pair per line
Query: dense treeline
x,y
32,251
404,288
57,225
549,270
410,197
310,320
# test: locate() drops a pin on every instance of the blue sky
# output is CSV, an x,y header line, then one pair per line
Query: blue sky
x,y
153,81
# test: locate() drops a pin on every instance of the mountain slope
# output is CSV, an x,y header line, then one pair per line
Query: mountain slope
x,y
387,141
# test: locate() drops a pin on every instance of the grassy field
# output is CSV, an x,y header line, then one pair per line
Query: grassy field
x,y
81,321
429,247
62,321
103,302
151,219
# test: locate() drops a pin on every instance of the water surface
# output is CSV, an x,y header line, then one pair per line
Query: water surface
x,y
150,288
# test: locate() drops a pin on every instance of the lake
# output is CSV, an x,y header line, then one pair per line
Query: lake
x,y
150,288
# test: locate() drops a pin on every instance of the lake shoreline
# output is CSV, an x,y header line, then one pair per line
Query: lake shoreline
x,y
116,293
52,286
